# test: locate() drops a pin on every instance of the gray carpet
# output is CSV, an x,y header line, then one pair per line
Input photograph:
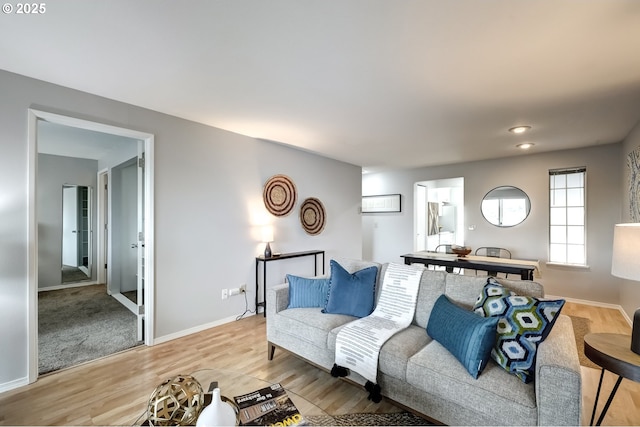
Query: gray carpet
x,y
395,419
73,274
76,325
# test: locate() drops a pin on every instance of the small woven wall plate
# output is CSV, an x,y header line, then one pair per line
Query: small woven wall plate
x,y
279,195
312,216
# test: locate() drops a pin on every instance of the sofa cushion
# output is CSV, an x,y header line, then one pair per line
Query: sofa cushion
x,y
524,322
396,352
432,285
464,290
502,397
310,324
351,293
468,336
307,292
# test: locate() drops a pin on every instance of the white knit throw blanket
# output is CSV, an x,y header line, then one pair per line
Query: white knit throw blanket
x,y
358,343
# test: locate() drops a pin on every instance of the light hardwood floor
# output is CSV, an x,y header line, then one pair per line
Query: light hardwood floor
x,y
114,390
625,407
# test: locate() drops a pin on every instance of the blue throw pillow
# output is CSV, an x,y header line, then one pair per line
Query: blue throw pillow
x,y
352,294
306,292
524,322
468,336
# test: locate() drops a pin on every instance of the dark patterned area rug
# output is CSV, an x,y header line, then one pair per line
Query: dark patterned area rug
x,y
394,419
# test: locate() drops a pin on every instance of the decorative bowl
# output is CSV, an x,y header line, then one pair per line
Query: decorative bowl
x,y
461,251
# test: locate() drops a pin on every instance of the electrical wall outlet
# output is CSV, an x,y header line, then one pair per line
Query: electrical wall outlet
x,y
237,291
225,293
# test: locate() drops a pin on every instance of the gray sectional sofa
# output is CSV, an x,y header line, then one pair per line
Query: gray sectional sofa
x,y
420,374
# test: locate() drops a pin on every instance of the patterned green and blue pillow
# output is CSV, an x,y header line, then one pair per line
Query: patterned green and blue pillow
x,y
523,323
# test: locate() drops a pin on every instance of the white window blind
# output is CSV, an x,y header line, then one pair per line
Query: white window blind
x,y
567,216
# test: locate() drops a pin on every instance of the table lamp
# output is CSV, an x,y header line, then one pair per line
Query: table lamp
x,y
625,264
267,237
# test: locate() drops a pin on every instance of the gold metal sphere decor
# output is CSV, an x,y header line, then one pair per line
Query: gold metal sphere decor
x,y
177,401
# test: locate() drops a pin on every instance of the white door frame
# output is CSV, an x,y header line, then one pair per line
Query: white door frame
x,y
103,221
32,261
140,243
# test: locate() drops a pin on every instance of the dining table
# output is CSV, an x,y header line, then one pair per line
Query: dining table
x,y
526,269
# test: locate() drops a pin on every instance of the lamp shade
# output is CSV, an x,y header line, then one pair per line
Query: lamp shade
x,y
626,242
267,234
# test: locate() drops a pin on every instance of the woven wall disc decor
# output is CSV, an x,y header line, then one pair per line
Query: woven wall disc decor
x,y
279,195
312,216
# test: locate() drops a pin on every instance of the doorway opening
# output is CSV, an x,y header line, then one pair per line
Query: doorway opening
x,y
439,213
77,254
91,249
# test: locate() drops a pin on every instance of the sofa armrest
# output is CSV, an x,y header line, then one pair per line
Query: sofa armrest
x,y
277,298
558,379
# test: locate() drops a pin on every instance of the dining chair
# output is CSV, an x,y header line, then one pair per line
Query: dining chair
x,y
494,252
444,248
447,250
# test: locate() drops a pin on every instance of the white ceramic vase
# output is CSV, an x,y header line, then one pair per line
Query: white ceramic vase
x,y
217,413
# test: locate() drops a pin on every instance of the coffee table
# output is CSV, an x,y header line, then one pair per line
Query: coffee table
x,y
232,383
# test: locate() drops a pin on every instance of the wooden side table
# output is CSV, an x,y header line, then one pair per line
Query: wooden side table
x,y
613,353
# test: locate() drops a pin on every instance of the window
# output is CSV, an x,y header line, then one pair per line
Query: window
x,y
567,216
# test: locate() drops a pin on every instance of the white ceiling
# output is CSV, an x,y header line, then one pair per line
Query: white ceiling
x,y
376,83
61,140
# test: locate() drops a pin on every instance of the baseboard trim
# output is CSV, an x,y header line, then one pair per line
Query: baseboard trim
x,y
14,384
194,330
595,304
68,286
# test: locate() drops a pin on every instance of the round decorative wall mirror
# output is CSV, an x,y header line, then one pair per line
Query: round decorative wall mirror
x,y
505,206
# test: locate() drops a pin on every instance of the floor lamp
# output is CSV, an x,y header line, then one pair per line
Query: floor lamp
x,y
625,264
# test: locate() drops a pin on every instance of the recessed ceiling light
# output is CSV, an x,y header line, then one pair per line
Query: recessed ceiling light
x,y
519,129
525,146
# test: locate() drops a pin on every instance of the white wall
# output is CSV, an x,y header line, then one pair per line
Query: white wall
x,y
208,202
630,290
120,156
393,235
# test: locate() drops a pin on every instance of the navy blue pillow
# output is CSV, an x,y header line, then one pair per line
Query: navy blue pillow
x,y
352,294
468,336
307,292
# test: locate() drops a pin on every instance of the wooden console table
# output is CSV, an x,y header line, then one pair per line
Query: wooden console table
x,y
613,353
264,260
